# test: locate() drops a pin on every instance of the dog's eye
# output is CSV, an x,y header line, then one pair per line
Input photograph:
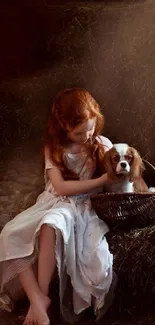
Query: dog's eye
x,y
128,158
116,159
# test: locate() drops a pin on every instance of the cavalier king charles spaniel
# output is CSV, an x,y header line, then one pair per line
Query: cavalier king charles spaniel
x,y
124,168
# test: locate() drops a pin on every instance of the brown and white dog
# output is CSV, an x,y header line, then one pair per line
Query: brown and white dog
x,y
124,167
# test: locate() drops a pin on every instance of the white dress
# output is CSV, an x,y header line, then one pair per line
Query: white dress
x,y
83,259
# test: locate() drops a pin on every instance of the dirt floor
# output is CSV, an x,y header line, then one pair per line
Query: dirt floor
x,y
17,317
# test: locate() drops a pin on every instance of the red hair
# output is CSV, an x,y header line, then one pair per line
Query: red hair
x,y
71,108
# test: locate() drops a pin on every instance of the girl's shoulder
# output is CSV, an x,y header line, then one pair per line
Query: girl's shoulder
x,y
48,162
47,153
105,141
46,150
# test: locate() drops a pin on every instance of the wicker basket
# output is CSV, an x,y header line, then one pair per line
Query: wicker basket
x,y
127,210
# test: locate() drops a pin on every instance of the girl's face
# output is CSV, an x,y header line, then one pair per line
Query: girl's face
x,y
82,132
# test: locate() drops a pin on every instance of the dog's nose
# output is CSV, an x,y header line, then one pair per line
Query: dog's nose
x,y
123,164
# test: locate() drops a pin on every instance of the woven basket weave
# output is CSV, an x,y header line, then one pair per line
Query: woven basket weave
x,y
127,210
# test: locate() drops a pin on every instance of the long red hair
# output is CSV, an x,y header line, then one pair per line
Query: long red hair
x,y
72,107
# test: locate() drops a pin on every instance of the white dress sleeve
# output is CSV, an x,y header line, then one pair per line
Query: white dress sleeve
x,y
107,144
48,162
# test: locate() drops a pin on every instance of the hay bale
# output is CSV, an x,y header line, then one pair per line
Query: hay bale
x,y
134,263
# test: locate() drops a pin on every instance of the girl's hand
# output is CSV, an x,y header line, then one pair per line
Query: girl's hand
x,y
109,180
105,179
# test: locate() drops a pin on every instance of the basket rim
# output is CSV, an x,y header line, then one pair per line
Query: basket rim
x,y
140,195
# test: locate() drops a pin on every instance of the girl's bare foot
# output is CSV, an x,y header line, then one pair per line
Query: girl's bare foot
x,y
37,313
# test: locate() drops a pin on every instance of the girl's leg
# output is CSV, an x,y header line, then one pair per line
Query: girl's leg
x,y
39,303
38,292
46,259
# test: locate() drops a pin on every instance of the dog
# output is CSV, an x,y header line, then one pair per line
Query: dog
x,y
124,167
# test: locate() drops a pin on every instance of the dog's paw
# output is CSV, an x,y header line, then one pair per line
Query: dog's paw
x,y
151,189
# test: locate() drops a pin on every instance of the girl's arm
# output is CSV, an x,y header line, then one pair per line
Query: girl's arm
x,y
67,188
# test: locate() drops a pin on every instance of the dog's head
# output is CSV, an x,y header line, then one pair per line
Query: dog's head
x,y
122,160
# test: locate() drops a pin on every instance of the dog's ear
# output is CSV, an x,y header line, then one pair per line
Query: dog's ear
x,y
108,165
137,166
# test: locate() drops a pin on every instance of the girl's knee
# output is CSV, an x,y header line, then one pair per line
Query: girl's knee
x,y
47,239
46,229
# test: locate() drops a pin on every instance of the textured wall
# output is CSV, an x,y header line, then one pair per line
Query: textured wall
x,y
109,49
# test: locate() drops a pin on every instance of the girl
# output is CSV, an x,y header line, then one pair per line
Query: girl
x,y
61,229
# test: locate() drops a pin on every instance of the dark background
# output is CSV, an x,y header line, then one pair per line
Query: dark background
x,y
108,48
